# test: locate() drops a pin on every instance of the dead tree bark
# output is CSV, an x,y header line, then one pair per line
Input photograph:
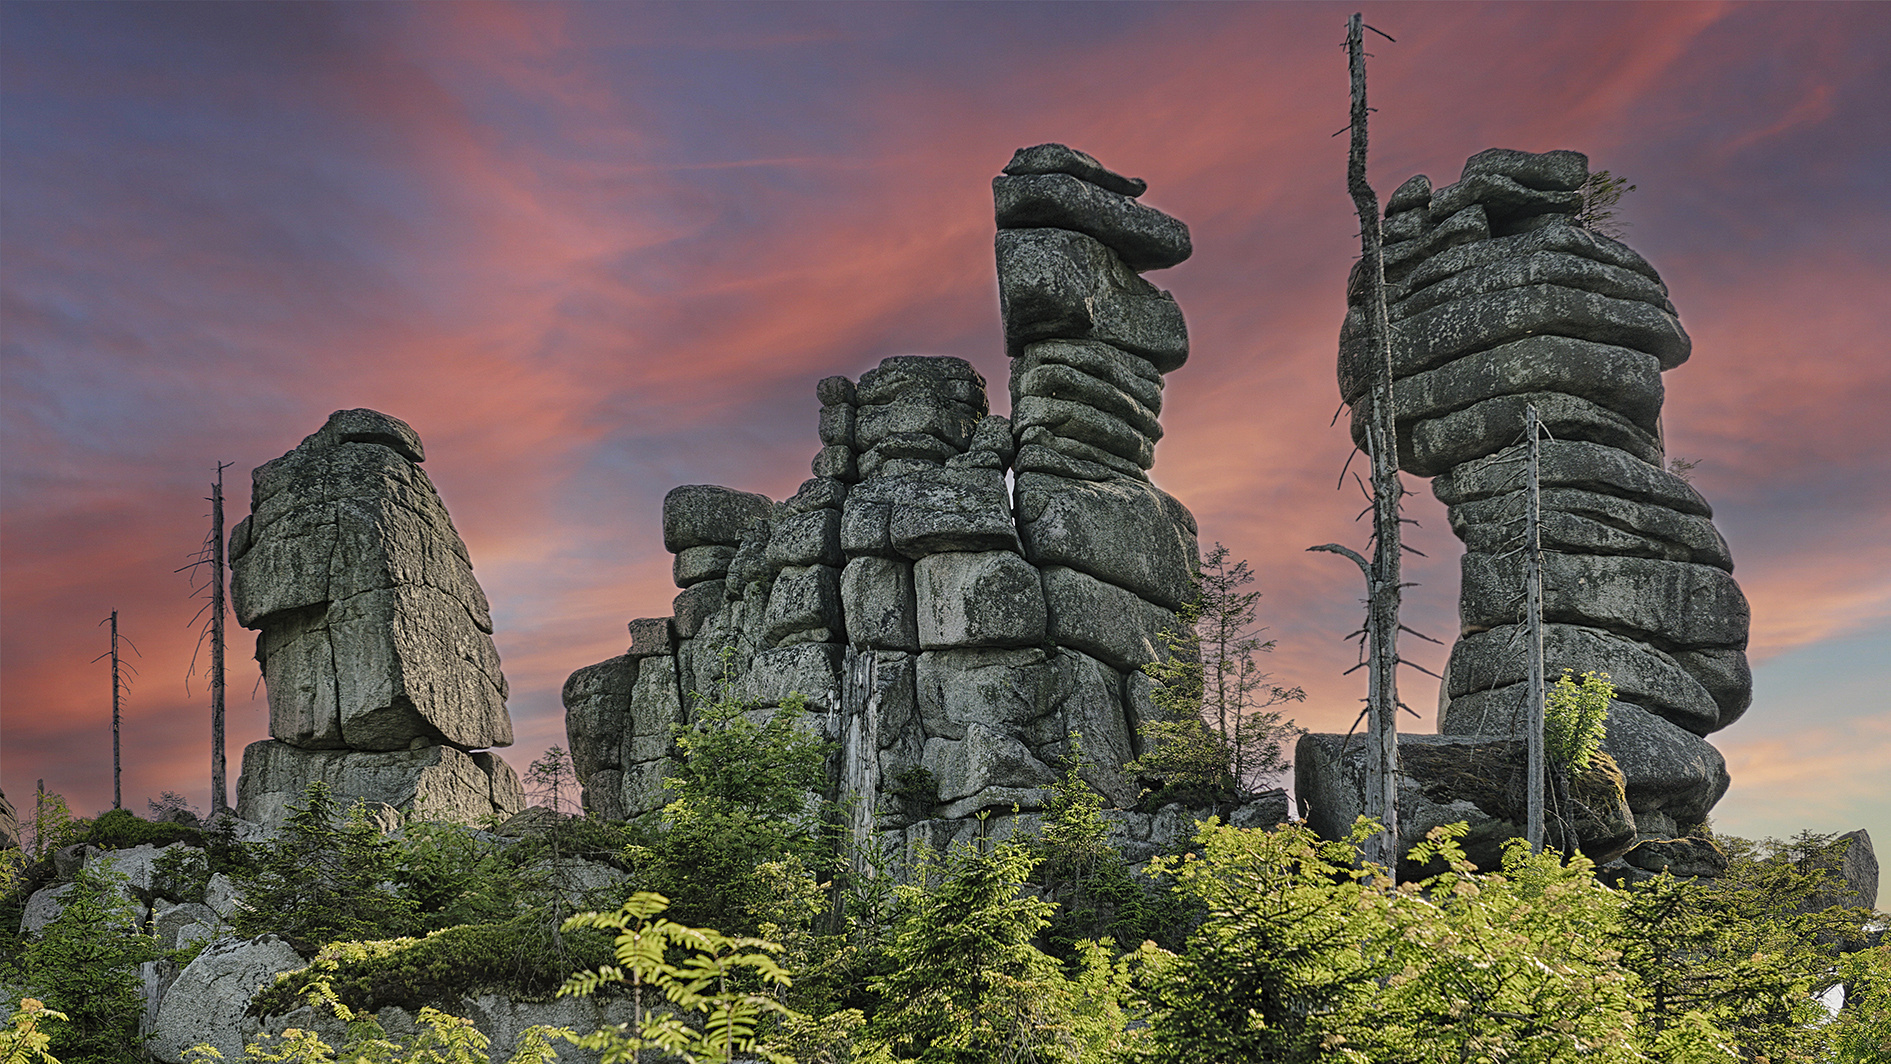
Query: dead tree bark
x,y
1533,612
1383,586
219,790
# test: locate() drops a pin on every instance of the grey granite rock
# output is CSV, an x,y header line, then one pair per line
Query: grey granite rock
x,y
948,421
836,425
1575,464
700,515
993,436
1078,450
818,493
1058,159
597,712
804,606
1103,620
1132,534
1058,284
834,391
811,538
1674,604
1483,429
925,379
179,925
1085,424
1413,194
693,565
207,1001
1668,770
836,462
1093,722
1444,779
812,670
1724,672
1039,458
948,510
373,631
986,758
1688,857
989,598
432,783
650,636
1501,197
1008,690
1554,171
1145,238
877,599
695,604
1587,522
1038,377
1641,674
864,526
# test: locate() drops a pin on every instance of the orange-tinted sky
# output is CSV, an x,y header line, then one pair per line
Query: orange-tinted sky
x,y
593,251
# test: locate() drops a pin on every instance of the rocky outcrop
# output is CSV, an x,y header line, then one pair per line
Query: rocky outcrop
x,y
953,632
1499,298
207,1000
374,638
1445,779
9,825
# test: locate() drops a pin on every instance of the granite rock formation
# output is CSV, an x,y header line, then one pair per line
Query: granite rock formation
x,y
1500,297
374,638
951,632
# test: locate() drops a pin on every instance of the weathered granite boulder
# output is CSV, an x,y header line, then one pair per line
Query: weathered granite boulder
x,y
374,632
1444,779
703,515
207,1001
428,783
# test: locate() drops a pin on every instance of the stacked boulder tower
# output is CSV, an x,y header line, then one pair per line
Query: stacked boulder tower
x,y
956,595
1500,297
374,638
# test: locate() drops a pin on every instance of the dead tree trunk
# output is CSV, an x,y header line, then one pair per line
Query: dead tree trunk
x,y
117,798
1382,577
1533,614
219,790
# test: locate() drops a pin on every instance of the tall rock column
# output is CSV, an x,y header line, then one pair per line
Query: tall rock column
x,y
1090,341
1500,298
374,638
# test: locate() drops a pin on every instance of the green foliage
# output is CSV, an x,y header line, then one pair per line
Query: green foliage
x,y
25,1040
746,792
325,877
1096,895
1601,195
551,776
1307,954
1575,719
1209,677
1862,1033
182,874
968,985
444,1039
517,958
453,876
51,826
86,966
121,829
727,980
1744,955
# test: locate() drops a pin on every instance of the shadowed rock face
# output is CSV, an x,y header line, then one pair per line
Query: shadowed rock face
x,y
373,635
1498,298
928,623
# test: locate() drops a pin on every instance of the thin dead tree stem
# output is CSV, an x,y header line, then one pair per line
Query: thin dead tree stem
x,y
1382,628
219,790
1533,610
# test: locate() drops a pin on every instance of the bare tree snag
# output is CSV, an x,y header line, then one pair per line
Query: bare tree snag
x,y
1533,610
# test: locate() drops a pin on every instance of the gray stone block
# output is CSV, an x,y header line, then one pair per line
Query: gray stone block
x,y
1552,171
1008,690
1085,424
836,425
834,391
835,462
1145,238
926,379
1668,770
811,538
992,598
877,599
1670,604
1574,464
597,711
804,606
1034,376
1641,674
651,636
811,669
1058,159
819,493
431,783
1104,620
1724,672
693,565
1057,284
984,759
864,527
696,604
1487,427
1130,533
948,510
699,515
1088,454
944,420
1587,522
1038,458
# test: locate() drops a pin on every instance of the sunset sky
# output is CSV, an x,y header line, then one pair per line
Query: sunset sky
x,y
594,251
